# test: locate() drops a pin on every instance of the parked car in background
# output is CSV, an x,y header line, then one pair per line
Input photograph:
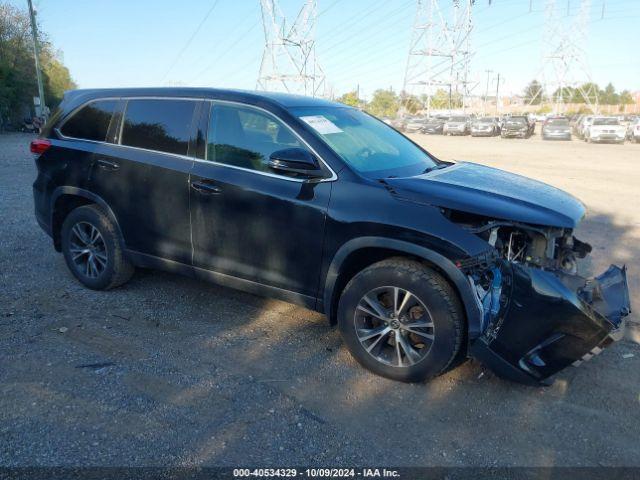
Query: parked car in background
x,y
485,127
585,123
399,123
575,122
516,127
456,125
269,193
605,129
556,128
633,130
433,126
415,124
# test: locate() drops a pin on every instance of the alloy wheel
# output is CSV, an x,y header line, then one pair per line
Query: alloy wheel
x,y
394,326
88,250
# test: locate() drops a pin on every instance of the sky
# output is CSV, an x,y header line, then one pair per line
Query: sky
x,y
359,43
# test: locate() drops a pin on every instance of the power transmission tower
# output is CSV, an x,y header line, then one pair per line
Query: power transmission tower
x,y
440,53
289,60
565,71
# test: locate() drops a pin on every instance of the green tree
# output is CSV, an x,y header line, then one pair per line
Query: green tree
x,y
385,103
350,98
626,98
410,103
533,93
608,96
589,89
17,71
440,100
567,94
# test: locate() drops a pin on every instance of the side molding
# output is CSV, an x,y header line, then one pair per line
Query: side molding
x,y
453,274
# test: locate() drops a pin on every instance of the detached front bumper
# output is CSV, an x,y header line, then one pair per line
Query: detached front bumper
x,y
551,320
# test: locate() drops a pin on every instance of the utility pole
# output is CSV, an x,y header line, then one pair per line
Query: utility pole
x,y
497,92
486,93
36,54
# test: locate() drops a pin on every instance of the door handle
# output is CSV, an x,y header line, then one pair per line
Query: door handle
x,y
107,165
206,188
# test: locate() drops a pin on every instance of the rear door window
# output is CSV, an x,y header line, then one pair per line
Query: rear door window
x,y
91,122
162,125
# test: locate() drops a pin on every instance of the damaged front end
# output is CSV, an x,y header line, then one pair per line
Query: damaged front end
x,y
538,315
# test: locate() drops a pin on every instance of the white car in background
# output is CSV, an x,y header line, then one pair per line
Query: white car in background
x,y
633,130
605,129
584,125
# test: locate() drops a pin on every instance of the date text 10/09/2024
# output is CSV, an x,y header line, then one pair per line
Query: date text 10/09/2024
x,y
316,472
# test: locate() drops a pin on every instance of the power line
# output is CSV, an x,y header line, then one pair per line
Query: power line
x,y
228,50
186,45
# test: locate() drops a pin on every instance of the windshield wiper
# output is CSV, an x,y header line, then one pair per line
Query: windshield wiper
x,y
438,166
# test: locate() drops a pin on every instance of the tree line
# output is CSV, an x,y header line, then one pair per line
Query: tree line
x,y
534,94
387,103
18,83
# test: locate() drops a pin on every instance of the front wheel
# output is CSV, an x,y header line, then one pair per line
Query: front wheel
x,y
401,320
92,249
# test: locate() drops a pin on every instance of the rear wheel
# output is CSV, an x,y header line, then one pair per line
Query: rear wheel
x,y
401,320
92,250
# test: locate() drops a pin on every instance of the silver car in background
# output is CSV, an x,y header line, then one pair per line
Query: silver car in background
x,y
556,128
456,125
485,127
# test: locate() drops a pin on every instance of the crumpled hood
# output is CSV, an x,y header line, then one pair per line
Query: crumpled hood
x,y
494,193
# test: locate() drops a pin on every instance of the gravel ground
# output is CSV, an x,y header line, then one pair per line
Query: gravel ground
x,y
168,371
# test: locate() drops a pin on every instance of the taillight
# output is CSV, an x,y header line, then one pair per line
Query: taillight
x,y
40,145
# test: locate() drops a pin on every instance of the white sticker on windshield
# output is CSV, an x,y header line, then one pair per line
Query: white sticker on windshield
x,y
321,124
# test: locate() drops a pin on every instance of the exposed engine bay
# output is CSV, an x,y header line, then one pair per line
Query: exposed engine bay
x,y
543,247
538,314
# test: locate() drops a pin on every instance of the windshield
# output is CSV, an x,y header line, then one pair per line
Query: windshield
x,y
558,121
485,120
458,119
368,145
520,121
606,121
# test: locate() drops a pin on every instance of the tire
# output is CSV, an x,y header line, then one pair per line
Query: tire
x,y
109,267
432,301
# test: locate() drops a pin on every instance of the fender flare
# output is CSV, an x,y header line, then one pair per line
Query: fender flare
x,y
454,275
79,192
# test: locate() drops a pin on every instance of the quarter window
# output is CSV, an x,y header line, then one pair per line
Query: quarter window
x,y
162,125
245,137
91,122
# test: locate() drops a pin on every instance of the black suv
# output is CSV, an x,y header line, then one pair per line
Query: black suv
x,y
420,262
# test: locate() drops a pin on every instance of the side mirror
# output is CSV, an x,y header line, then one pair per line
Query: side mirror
x,y
295,160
